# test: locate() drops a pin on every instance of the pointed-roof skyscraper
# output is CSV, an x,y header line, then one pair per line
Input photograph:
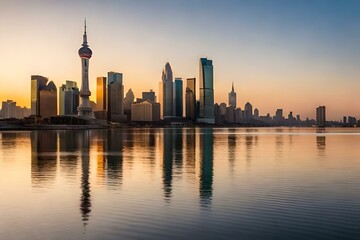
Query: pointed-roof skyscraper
x,y
232,97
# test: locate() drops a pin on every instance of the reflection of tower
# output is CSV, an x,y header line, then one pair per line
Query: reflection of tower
x,y
190,149
85,54
68,144
231,148
114,158
43,157
85,201
321,142
206,166
167,161
178,149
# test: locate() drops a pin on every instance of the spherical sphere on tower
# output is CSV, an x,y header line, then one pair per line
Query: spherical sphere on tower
x,y
85,52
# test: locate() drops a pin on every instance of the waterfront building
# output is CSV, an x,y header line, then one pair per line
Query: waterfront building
x,y
85,53
190,99
145,111
166,92
8,109
43,97
128,100
232,97
320,116
68,98
149,96
230,114
279,115
115,97
256,114
248,111
178,97
101,94
206,85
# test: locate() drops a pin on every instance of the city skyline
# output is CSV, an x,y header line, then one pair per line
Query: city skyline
x,y
275,71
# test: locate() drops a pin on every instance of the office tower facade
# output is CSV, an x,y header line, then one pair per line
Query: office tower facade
x,y
145,111
37,83
190,99
68,98
128,100
85,53
206,114
248,111
279,115
149,96
256,114
8,109
166,92
101,94
178,97
232,97
115,97
43,97
321,116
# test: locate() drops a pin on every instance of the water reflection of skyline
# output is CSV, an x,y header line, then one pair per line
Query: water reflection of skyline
x,y
116,150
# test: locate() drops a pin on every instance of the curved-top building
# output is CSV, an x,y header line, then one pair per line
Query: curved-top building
x,y
85,53
167,92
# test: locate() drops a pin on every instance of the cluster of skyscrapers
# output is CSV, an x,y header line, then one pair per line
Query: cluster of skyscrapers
x,y
111,105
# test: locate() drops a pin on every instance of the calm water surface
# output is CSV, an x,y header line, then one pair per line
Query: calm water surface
x,y
265,183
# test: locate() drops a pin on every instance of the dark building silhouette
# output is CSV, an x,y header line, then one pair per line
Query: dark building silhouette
x,y
320,116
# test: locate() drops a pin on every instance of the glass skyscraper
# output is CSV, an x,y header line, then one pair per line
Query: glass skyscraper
x,y
206,84
178,97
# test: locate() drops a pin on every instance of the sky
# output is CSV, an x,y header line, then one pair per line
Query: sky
x,y
294,55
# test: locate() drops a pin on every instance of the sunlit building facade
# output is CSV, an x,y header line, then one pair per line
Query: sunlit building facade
x,y
190,99
43,97
101,95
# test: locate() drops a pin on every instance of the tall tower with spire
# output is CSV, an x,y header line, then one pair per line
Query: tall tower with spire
x,y
232,97
85,53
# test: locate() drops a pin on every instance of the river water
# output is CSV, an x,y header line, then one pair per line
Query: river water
x,y
191,183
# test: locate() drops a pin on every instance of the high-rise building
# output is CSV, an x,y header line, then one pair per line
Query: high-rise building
x,y
279,115
85,53
115,97
178,97
232,97
320,116
43,97
101,95
37,83
166,92
190,99
206,114
248,111
149,96
256,114
68,98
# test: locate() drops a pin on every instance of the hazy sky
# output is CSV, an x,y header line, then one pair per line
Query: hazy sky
x,y
286,54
